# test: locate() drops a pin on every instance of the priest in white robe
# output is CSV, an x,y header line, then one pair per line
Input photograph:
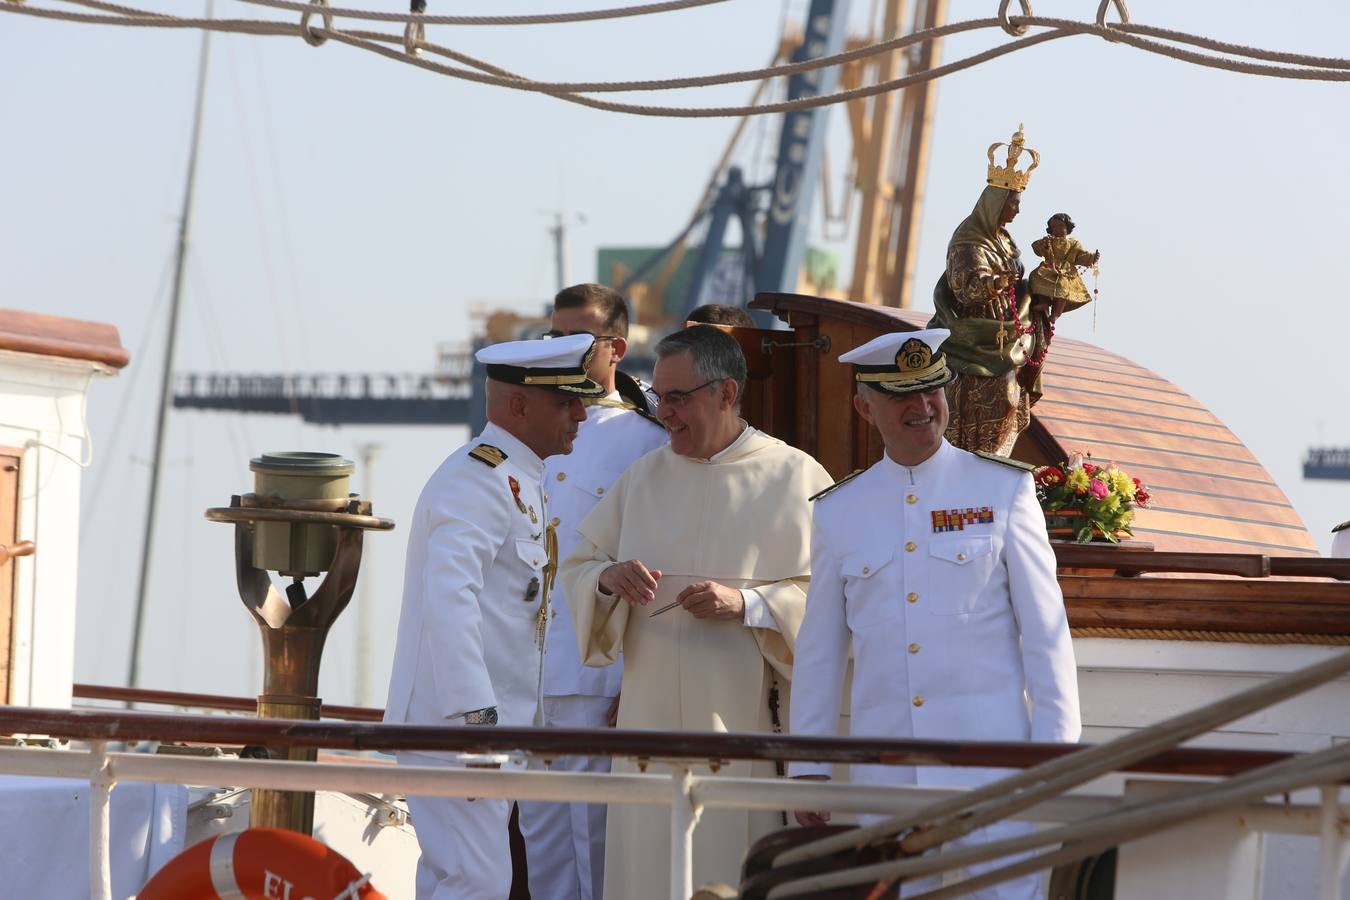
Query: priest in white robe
x,y
695,567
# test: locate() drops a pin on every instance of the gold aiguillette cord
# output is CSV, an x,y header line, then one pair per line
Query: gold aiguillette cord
x,y
550,575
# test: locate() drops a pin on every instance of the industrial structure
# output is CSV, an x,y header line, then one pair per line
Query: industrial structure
x,y
885,173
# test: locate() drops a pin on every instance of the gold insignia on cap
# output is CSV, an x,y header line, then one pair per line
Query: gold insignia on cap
x,y
913,356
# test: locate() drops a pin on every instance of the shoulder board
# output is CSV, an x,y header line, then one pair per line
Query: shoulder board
x,y
838,484
606,403
1006,461
488,455
1340,527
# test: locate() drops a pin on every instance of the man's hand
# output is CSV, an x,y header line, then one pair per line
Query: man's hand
x,y
710,600
806,818
632,581
612,717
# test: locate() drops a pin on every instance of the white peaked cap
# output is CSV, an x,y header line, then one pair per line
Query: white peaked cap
x,y
558,364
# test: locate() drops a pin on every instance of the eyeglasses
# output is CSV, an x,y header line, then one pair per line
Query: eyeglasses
x,y
554,333
678,399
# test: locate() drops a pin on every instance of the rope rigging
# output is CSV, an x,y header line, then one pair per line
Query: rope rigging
x,y
410,46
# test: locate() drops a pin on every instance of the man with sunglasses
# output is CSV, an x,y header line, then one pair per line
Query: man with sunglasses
x,y
565,842
694,566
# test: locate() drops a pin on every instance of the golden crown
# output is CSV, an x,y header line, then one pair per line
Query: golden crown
x,y
1007,176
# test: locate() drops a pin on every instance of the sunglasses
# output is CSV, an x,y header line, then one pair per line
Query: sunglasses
x,y
554,333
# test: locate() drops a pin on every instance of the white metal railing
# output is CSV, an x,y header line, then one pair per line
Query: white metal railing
x,y
687,794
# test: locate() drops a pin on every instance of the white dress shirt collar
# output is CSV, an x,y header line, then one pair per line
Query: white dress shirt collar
x,y
926,470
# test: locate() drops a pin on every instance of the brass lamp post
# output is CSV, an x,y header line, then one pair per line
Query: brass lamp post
x,y
299,521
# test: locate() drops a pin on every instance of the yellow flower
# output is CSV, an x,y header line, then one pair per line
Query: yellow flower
x,y
1120,482
1111,503
1077,481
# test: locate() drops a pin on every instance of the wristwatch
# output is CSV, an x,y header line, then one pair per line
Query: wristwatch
x,y
485,716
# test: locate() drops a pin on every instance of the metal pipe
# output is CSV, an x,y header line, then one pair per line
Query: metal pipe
x,y
684,813
999,799
1333,843
100,799
1073,852
104,768
1081,839
712,791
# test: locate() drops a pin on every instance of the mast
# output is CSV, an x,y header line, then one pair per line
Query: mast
x,y
166,376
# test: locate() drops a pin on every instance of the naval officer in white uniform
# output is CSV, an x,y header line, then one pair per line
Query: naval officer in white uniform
x,y
475,598
934,568
565,842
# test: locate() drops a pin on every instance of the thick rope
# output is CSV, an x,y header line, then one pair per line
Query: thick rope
x,y
1226,637
1307,67
686,112
593,15
898,43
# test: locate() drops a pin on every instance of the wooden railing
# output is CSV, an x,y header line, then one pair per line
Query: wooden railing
x,y
124,726
1128,562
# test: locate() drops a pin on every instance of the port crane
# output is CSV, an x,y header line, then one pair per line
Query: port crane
x,y
890,137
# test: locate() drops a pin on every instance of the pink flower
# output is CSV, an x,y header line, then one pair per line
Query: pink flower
x,y
1097,488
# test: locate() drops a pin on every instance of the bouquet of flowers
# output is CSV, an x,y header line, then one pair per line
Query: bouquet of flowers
x,y
1093,500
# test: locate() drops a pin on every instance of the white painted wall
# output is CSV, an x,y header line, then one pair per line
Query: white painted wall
x,y
1128,684
42,405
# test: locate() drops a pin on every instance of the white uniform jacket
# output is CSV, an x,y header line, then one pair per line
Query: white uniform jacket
x,y
941,579
607,443
472,588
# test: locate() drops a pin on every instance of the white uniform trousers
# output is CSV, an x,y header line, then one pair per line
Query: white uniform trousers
x,y
565,842
466,850
1026,888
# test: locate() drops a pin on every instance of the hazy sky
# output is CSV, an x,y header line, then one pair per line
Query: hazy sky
x,y
352,210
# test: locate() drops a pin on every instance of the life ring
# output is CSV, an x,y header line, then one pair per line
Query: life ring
x,y
259,863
